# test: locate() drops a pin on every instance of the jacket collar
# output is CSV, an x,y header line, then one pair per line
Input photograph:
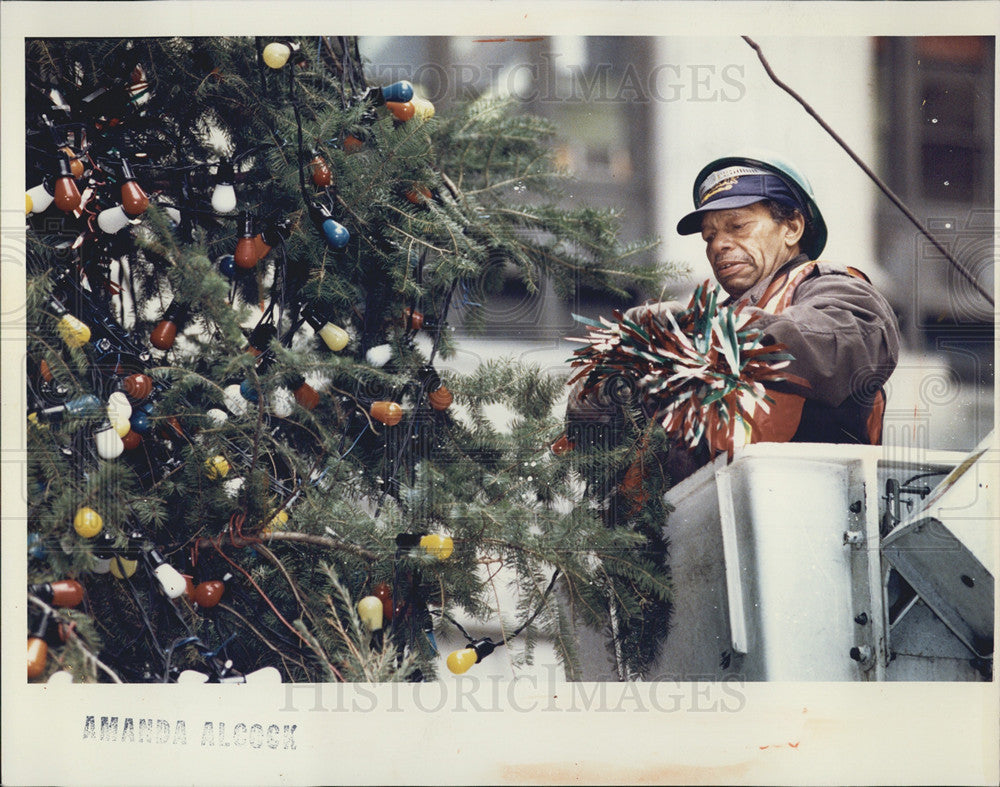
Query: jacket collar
x,y
751,296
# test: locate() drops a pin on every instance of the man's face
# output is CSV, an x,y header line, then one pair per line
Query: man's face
x,y
745,245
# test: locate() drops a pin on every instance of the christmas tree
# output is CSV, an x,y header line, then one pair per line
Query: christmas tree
x,y
243,462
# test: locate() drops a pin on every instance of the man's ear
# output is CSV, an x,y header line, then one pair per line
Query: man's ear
x,y
794,228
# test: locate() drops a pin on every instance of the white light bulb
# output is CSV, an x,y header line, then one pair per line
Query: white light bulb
x,y
379,356
264,676
233,486
61,676
282,402
102,565
333,336
192,676
224,198
41,198
174,215
113,219
119,412
234,400
216,416
109,444
171,580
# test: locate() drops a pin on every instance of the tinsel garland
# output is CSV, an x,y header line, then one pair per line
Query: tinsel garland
x,y
701,372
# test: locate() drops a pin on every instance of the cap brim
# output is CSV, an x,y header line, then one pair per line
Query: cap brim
x,y
691,223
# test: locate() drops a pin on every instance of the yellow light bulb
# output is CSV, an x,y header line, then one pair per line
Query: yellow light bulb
x,y
28,204
277,522
74,332
122,567
460,661
422,108
216,467
87,522
334,337
276,54
437,545
370,611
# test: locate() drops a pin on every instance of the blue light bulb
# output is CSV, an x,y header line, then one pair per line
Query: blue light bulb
x,y
398,91
83,406
247,391
336,234
140,422
227,265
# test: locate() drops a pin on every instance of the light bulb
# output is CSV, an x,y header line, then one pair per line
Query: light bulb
x,y
397,91
38,653
370,612
276,54
132,440
41,197
233,486
138,386
208,594
277,522
28,204
562,446
249,392
306,395
123,567
245,255
224,195
140,422
63,593
401,110
336,234
460,661
227,265
275,233
165,332
192,676
321,174
437,545
76,167
67,195
388,413
86,406
119,409
440,399
87,522
216,467
264,676
112,220
234,400
102,554
422,108
74,332
379,355
216,416
282,402
109,445
60,677
384,593
334,336
171,580
134,199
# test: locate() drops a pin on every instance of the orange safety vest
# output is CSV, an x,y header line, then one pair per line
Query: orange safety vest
x,y
783,420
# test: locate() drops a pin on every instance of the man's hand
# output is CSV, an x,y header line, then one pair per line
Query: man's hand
x,y
657,309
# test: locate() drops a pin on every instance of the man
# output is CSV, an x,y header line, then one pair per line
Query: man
x,y
763,233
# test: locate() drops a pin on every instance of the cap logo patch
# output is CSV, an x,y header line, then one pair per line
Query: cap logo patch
x,y
724,185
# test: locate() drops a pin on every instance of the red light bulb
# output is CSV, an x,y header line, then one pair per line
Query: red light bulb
x,y
208,594
134,199
246,250
306,395
401,110
321,175
67,195
384,593
163,335
64,593
388,413
138,386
